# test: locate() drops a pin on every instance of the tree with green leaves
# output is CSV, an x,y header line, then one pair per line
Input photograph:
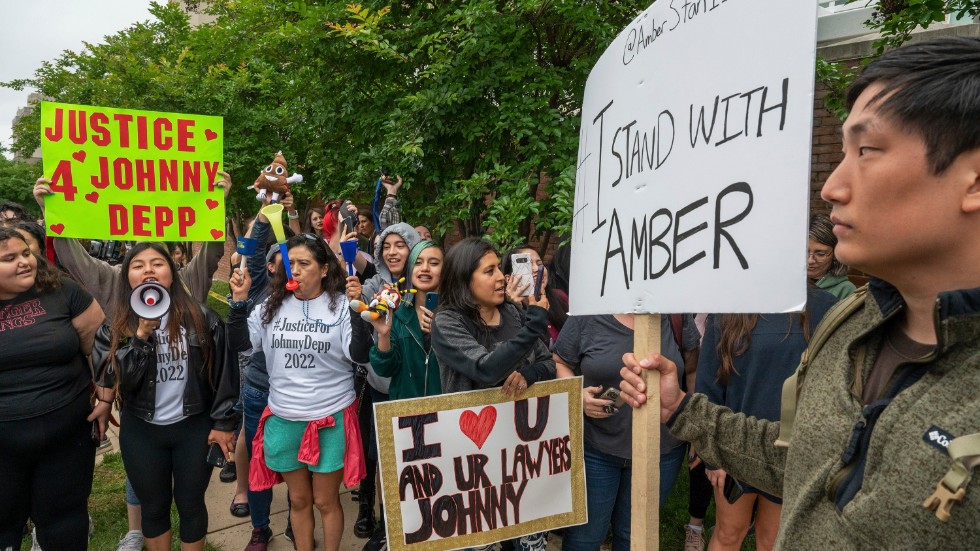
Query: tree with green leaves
x,y
894,20
16,183
475,103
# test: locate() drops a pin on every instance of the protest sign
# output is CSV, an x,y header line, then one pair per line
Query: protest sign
x,y
122,174
471,468
692,186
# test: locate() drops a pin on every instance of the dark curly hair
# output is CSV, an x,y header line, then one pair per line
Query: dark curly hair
x,y
333,283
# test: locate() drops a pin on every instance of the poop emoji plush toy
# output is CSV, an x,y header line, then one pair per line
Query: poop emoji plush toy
x,y
273,178
381,304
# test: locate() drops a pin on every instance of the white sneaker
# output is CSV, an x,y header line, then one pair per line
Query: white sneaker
x,y
132,541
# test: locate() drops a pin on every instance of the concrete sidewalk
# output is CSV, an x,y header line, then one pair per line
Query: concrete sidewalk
x,y
230,533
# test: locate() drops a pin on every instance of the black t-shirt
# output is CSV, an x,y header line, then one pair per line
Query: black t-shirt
x,y
41,366
594,347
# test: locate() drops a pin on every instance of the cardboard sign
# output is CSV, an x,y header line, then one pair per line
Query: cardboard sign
x,y
121,174
693,175
472,468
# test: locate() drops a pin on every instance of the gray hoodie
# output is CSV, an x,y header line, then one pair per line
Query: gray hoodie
x,y
373,285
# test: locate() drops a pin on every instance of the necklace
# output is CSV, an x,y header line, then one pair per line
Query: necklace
x,y
425,373
317,321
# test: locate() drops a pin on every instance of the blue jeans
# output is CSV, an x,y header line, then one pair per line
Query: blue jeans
x,y
253,404
607,487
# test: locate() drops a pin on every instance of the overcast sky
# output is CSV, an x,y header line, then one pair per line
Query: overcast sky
x,y
39,30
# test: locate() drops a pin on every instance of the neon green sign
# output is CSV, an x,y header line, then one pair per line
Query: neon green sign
x,y
132,175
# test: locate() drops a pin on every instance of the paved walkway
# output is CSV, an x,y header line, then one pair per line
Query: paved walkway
x,y
230,533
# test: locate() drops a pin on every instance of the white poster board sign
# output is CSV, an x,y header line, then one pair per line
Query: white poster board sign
x,y
693,176
472,468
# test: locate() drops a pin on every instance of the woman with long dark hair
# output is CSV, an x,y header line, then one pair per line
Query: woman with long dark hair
x,y
178,386
745,358
484,341
47,324
308,433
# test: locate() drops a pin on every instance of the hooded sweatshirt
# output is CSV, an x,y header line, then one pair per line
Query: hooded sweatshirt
x,y
373,285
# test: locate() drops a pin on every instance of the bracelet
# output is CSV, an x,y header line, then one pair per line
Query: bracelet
x,y
293,215
392,195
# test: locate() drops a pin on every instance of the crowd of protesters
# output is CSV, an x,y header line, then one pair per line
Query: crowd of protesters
x,y
468,325
73,352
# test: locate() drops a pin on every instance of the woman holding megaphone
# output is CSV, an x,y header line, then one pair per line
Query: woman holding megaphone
x,y
165,353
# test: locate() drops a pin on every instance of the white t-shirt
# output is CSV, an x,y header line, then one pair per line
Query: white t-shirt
x,y
171,376
307,356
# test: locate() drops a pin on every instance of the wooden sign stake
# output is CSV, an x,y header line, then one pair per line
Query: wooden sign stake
x,y
645,508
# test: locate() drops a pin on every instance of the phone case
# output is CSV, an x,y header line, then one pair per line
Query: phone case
x,y
523,271
216,457
733,489
431,301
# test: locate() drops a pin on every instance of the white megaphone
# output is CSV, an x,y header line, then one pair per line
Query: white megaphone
x,y
150,300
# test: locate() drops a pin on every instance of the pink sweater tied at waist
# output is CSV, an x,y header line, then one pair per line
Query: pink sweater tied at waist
x,y
261,477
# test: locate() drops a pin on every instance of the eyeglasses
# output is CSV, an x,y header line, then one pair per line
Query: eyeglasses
x,y
819,255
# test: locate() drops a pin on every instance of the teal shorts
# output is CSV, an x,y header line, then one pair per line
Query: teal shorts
x,y
282,440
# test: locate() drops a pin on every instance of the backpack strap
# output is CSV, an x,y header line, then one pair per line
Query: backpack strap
x,y
965,453
834,318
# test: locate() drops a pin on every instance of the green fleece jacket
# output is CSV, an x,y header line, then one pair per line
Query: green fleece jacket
x,y
902,467
411,375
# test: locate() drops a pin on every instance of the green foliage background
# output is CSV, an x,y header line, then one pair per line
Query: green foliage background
x,y
475,103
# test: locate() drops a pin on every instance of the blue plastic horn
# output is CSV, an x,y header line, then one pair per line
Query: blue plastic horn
x,y
245,246
349,250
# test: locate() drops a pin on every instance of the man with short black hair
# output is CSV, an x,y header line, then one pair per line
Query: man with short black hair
x,y
880,431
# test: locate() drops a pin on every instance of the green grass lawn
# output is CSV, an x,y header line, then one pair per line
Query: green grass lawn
x,y
674,516
219,305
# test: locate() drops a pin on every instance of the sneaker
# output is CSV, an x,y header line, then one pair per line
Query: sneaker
x,y
228,472
379,539
132,541
693,539
288,534
260,539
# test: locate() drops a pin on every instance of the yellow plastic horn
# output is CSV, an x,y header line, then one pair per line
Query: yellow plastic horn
x,y
274,213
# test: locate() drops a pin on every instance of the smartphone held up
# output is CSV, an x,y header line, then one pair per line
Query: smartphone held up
x,y
523,272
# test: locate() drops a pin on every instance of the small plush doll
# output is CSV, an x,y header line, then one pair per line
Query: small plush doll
x,y
273,178
387,300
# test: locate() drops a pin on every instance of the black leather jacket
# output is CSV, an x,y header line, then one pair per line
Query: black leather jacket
x,y
137,363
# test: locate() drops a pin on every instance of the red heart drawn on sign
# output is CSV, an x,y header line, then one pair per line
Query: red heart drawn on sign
x,y
210,134
79,156
217,234
478,427
92,197
211,203
57,228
